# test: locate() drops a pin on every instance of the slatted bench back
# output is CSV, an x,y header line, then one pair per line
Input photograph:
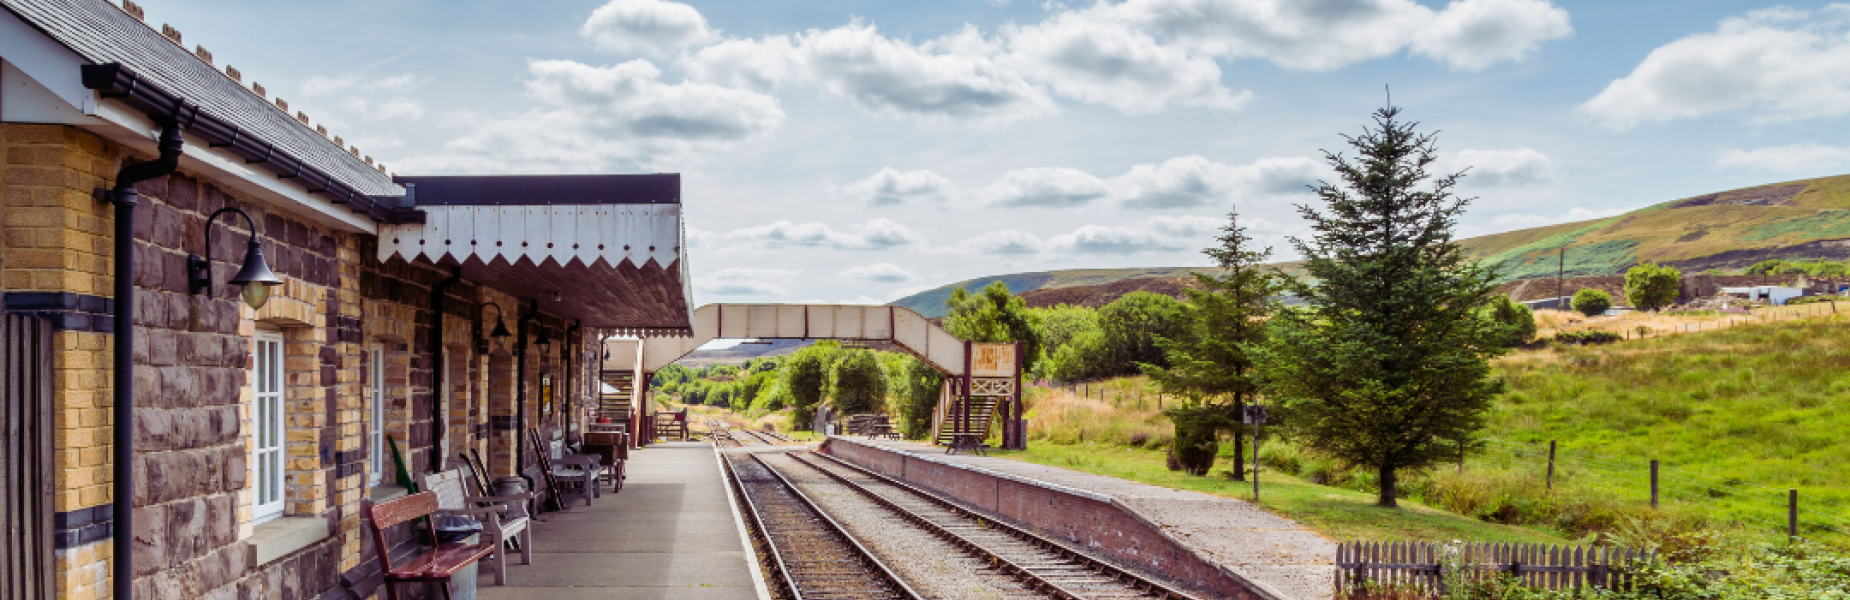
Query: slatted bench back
x,y
387,514
448,486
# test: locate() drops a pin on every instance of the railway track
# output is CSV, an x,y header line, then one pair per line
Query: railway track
x,y
808,555
1043,567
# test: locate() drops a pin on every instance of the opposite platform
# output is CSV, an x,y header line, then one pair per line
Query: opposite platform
x,y
671,535
1279,553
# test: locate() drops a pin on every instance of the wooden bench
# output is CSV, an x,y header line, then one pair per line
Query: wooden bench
x,y
493,511
436,564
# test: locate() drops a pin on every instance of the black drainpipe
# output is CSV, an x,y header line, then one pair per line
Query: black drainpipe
x,y
438,424
571,379
520,389
124,196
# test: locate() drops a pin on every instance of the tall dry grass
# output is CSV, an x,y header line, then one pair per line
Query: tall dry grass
x,y
1127,416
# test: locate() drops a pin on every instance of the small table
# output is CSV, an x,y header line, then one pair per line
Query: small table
x,y
965,441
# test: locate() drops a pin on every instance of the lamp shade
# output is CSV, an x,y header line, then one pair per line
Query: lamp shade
x,y
501,330
255,276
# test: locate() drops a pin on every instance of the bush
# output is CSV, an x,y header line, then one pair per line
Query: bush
x,y
1516,319
1652,287
1592,303
1197,440
1583,338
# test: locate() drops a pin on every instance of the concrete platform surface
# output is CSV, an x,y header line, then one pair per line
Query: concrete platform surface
x,y
670,535
1282,553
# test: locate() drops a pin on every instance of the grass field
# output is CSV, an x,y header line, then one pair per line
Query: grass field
x,y
1339,513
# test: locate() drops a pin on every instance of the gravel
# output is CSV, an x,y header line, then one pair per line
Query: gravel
x,y
1249,540
934,568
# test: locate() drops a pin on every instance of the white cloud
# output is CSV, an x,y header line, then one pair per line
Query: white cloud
x,y
1503,168
744,281
1107,62
738,287
951,79
1055,187
1103,239
1329,34
739,273
875,234
1804,157
1189,226
1004,242
884,272
890,186
653,26
1471,35
620,117
1782,64
1190,181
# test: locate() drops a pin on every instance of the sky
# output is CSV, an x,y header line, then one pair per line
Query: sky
x,y
859,151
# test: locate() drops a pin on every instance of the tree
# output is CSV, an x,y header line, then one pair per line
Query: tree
x,y
1592,302
914,386
859,386
1209,361
1652,287
806,377
993,315
1133,323
1387,364
1517,319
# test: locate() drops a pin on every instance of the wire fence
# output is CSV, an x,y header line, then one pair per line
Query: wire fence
x,y
1806,512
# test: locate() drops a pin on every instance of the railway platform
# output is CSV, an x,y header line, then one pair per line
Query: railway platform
x,y
670,535
1289,558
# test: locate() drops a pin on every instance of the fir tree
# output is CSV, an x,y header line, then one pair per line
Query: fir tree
x,y
1225,316
1386,365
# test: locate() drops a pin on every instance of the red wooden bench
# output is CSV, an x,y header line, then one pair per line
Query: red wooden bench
x,y
434,565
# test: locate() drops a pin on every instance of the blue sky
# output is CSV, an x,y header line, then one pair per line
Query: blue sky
x,y
853,150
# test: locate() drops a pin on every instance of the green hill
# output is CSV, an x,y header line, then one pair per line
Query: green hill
x,y
1804,219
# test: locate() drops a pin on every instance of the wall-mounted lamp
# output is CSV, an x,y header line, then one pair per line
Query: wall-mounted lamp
x,y
255,275
543,342
500,326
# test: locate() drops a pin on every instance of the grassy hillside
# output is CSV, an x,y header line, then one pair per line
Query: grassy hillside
x,y
931,302
1803,219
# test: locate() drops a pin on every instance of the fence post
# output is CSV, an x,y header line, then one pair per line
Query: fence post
x,y
1792,514
1551,464
1654,484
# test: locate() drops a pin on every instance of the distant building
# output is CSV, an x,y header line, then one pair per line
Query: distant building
x,y
1772,294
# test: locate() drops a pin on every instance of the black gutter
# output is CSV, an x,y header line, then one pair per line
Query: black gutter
x,y
124,196
439,420
115,81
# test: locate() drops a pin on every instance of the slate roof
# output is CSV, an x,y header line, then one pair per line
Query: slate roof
x,y
100,32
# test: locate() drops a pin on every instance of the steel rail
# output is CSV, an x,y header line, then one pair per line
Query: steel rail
x,y
876,569
1108,570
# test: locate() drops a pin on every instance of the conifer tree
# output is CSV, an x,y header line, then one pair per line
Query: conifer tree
x,y
1225,316
1386,364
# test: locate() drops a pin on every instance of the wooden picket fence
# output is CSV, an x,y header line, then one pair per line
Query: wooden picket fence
x,y
1417,565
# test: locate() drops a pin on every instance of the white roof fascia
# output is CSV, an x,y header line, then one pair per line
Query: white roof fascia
x,y
51,65
615,233
131,128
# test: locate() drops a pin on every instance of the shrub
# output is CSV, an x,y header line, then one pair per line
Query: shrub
x,y
1515,317
1592,303
1197,440
1583,338
1650,286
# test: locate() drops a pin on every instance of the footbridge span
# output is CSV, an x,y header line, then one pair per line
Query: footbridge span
x,y
981,379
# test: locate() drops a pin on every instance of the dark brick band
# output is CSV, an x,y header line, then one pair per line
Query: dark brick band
x,y
68,311
82,526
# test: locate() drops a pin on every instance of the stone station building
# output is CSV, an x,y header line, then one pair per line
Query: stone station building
x,y
257,432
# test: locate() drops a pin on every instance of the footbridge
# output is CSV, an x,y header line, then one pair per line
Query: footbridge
x,y
981,379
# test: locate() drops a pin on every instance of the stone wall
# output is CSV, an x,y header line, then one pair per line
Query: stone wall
x,y
193,496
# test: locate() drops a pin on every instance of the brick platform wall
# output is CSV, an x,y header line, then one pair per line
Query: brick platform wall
x,y
1081,518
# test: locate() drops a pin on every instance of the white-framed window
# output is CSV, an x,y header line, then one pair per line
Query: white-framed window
x,y
267,421
375,420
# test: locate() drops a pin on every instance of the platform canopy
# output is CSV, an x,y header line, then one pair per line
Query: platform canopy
x,y
606,249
